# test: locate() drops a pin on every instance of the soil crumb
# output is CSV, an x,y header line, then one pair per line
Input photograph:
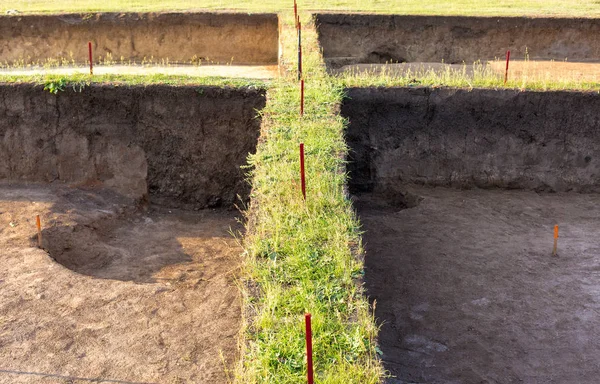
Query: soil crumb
x,y
467,289
125,295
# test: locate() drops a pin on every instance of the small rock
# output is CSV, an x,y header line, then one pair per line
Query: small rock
x,y
12,12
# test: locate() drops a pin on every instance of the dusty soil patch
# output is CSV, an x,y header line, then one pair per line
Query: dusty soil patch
x,y
468,292
150,295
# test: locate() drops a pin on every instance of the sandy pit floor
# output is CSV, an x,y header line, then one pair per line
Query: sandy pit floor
x,y
236,71
549,71
127,295
468,291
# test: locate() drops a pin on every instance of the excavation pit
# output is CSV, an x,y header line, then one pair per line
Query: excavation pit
x,y
458,192
136,188
542,49
196,44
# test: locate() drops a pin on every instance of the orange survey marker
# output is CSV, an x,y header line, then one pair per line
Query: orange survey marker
x,y
39,228
554,250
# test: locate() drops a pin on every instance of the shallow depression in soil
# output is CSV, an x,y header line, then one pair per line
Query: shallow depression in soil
x,y
132,295
467,289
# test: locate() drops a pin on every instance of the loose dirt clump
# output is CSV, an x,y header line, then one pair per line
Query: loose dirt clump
x,y
123,295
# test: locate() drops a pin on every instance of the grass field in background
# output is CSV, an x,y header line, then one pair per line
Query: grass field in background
x,y
572,8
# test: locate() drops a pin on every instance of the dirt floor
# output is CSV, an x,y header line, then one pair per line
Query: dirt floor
x,y
238,71
549,71
126,295
468,291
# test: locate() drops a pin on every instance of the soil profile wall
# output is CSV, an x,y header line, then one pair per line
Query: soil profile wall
x,y
472,138
178,37
352,38
181,145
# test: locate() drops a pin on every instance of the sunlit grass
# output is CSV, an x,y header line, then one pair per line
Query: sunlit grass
x,y
82,80
476,75
578,8
304,256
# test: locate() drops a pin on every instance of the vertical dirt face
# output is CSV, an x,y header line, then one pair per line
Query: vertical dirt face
x,y
179,37
472,138
351,39
182,145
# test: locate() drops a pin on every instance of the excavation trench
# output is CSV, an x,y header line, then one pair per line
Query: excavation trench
x,y
136,188
458,192
541,48
197,44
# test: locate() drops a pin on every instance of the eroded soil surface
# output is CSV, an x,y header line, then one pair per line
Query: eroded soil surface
x,y
468,291
127,295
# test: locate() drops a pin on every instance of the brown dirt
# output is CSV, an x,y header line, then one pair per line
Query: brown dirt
x,y
468,292
545,141
180,37
353,38
133,296
183,146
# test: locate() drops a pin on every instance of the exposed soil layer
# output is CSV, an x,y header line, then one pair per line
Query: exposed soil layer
x,y
353,38
181,37
182,145
149,296
472,138
468,292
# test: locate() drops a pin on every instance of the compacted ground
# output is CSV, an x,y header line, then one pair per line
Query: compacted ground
x,y
468,292
119,295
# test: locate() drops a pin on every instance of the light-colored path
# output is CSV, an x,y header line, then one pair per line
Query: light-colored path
x,y
237,71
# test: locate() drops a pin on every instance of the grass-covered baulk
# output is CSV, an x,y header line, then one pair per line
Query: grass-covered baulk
x,y
304,256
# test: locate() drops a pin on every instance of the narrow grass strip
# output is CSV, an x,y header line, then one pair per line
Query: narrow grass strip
x,y
472,76
77,81
303,256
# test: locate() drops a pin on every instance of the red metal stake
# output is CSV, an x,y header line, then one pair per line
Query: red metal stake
x,y
309,353
506,72
302,174
302,97
296,14
299,50
91,59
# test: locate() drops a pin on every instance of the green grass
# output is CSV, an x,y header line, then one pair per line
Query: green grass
x,y
579,8
79,80
482,77
304,256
